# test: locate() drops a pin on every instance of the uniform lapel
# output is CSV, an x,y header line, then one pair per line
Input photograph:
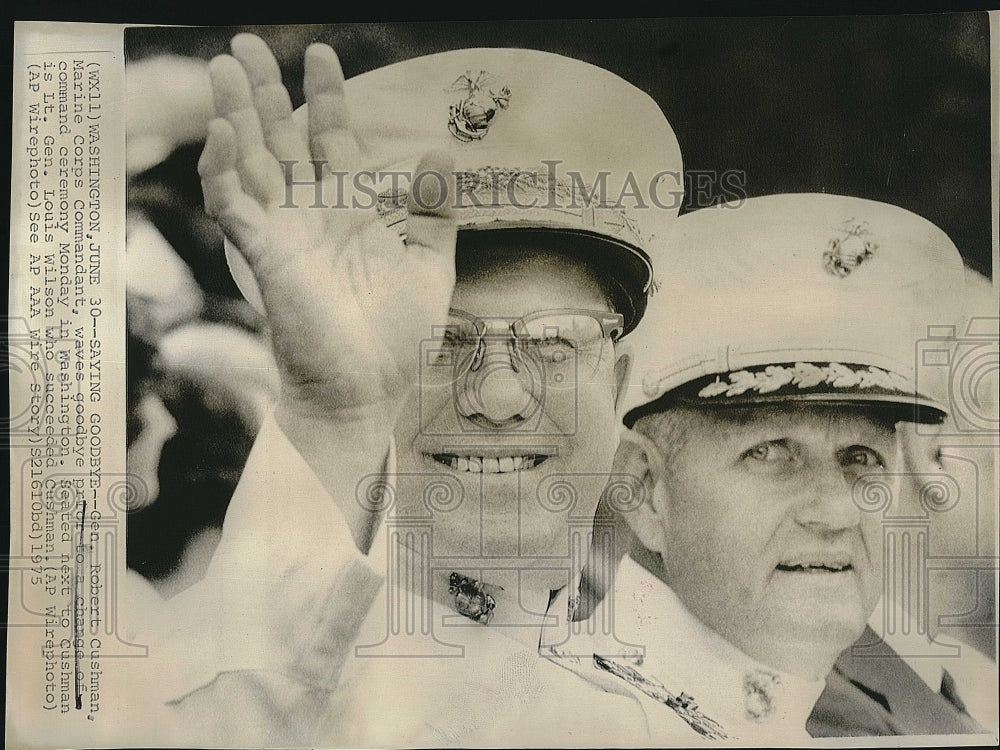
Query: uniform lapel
x,y
879,694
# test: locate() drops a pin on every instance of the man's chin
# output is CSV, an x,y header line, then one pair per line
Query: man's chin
x,y
822,631
806,650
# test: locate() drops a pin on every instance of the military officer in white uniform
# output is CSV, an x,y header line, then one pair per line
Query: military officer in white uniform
x,y
760,428
369,595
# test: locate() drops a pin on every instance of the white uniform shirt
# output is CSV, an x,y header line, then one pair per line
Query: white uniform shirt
x,y
264,650
666,655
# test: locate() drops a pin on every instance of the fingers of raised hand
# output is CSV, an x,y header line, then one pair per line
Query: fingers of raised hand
x,y
282,136
260,172
331,137
431,223
238,214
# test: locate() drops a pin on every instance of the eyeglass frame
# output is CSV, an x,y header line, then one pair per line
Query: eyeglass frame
x,y
612,326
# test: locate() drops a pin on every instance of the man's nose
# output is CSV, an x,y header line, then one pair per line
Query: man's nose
x,y
831,502
497,392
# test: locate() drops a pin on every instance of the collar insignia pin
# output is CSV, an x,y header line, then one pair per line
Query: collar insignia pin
x,y
470,119
852,248
472,598
759,689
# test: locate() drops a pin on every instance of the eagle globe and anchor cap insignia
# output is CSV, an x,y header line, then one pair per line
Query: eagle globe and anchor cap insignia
x,y
470,119
853,247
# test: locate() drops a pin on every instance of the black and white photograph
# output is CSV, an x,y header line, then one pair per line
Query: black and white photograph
x,y
564,383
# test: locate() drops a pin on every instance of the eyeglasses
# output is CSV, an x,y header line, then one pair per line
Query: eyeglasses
x,y
561,347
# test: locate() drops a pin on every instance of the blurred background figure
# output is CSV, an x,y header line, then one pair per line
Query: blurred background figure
x,y
952,477
200,372
173,99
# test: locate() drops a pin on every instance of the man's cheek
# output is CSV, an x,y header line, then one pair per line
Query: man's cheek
x,y
595,405
872,535
431,410
873,548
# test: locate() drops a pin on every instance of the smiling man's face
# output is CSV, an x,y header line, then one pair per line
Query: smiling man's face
x,y
520,432
759,529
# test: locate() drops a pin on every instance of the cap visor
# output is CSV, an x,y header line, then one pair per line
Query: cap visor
x,y
803,382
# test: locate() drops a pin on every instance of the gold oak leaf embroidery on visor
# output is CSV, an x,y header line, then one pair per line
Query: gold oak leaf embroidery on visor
x,y
805,375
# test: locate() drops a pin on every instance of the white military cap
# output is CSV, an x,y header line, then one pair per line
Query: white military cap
x,y
804,297
544,143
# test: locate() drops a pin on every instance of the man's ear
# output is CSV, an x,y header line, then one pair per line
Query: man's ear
x,y
638,457
623,367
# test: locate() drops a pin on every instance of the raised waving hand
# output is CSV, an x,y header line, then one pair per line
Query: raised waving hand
x,y
348,301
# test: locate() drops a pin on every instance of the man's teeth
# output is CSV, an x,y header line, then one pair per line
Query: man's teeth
x,y
815,567
489,464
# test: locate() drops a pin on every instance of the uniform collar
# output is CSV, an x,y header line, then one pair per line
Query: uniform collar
x,y
519,612
658,638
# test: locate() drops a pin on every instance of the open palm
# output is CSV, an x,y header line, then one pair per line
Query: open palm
x,y
347,300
